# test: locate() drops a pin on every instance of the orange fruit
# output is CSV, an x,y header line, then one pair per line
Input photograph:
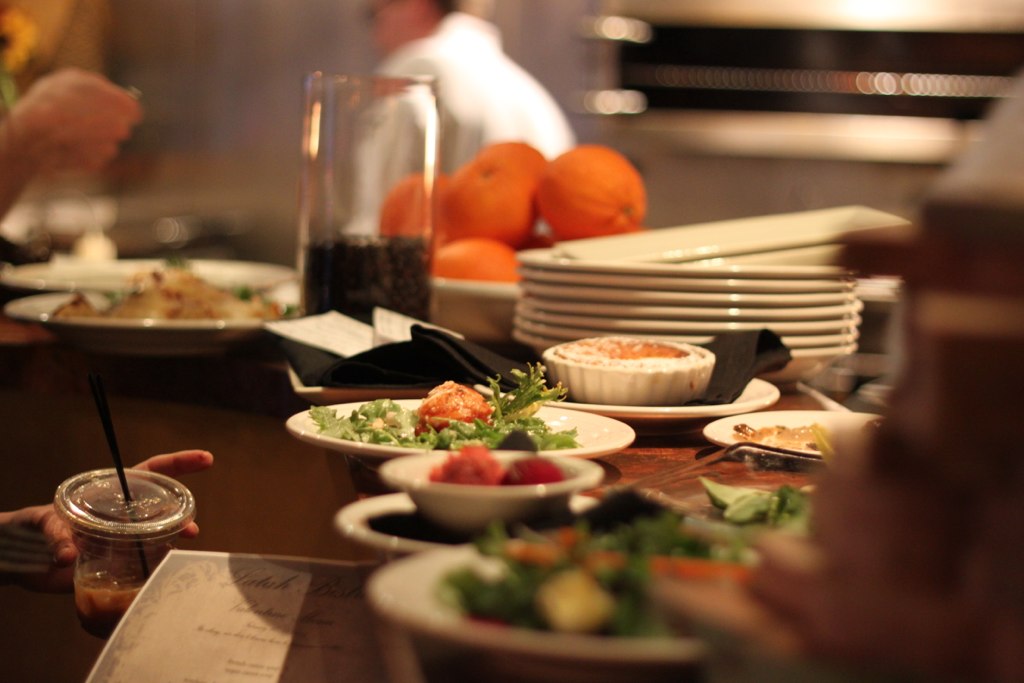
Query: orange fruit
x,y
476,258
590,191
405,209
493,195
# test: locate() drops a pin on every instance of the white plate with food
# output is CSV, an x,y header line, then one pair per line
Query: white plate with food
x,y
597,435
148,336
133,337
356,522
570,292
405,592
68,275
786,428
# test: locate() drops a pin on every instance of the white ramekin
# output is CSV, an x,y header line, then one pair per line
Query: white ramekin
x,y
616,371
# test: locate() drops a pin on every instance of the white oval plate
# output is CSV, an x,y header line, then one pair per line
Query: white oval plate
x,y
732,236
597,435
757,395
132,336
405,592
689,284
353,521
546,329
539,342
721,431
67,275
726,312
662,298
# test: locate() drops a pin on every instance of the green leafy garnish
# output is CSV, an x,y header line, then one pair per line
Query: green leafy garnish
x,y
530,394
385,422
786,507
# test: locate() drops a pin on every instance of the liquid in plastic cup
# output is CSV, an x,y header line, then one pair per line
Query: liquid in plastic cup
x,y
119,544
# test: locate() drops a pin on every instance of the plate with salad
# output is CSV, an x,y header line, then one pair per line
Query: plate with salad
x,y
454,415
567,433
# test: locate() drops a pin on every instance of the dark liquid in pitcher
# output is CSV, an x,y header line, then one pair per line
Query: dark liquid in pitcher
x,y
353,275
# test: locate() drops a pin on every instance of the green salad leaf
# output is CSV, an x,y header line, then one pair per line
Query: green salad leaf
x,y
385,422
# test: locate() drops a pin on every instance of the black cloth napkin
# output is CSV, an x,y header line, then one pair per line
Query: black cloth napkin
x,y
428,359
739,357
433,356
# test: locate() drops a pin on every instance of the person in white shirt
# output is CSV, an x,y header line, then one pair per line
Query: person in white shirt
x,y
485,96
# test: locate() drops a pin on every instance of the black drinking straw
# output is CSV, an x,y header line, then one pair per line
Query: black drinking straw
x,y
100,396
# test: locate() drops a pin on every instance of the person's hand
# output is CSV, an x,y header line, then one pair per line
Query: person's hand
x,y
45,520
70,120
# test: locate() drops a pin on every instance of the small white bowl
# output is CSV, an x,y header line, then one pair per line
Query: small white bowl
x,y
469,508
625,371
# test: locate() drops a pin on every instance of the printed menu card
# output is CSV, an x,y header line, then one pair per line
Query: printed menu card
x,y
204,617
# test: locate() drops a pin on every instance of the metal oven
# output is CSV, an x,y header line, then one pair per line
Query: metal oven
x,y
886,80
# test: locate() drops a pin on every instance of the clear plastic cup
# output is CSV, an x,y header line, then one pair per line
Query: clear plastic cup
x,y
119,544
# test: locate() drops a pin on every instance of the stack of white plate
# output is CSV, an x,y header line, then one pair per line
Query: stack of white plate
x,y
613,286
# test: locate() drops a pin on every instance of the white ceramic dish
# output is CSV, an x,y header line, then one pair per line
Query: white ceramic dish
x,y
684,284
733,237
480,311
596,434
539,342
630,370
722,432
757,395
662,298
541,322
529,305
404,592
467,509
66,275
354,521
133,337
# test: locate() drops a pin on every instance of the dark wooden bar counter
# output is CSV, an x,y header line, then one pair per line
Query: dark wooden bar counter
x,y
267,492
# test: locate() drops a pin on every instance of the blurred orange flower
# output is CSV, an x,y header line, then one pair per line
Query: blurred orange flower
x,y
18,39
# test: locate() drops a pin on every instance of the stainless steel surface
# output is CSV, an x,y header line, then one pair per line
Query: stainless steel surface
x,y
918,15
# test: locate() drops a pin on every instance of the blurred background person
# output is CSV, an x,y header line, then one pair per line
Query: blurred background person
x,y
485,96
68,120
62,121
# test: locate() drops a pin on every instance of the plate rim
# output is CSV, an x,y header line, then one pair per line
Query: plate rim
x,y
16,309
693,328
568,292
300,426
771,396
13,277
351,521
530,304
446,623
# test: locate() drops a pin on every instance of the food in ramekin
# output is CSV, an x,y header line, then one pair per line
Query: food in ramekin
x,y
630,371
